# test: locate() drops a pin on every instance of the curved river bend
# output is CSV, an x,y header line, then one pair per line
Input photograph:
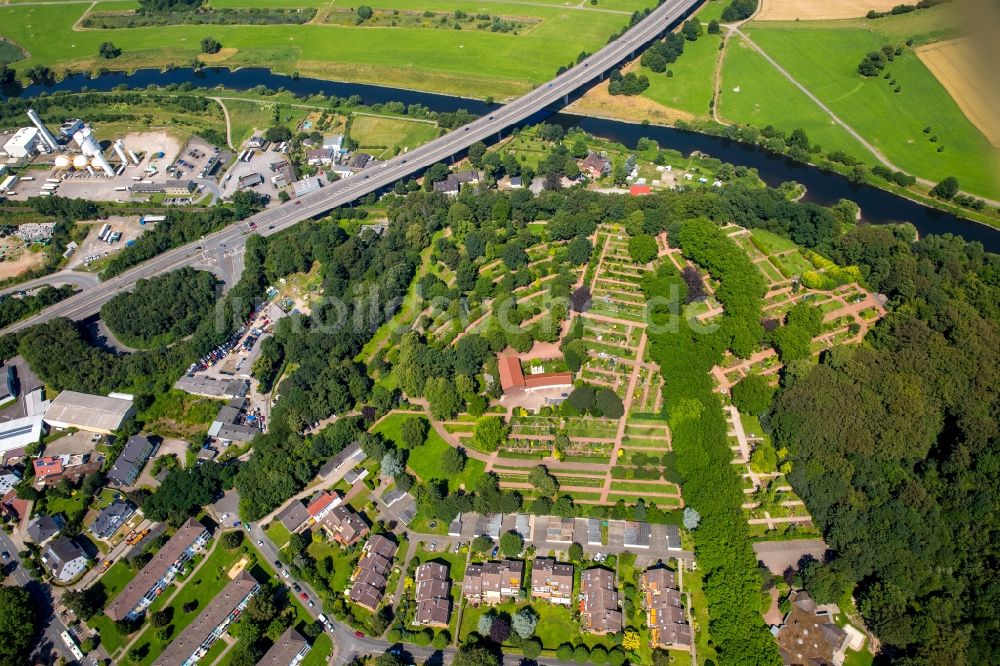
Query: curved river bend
x,y
824,188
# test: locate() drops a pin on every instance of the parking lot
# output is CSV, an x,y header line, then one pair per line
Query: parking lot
x,y
259,163
194,159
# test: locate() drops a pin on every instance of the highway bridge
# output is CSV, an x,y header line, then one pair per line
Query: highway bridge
x,y
231,239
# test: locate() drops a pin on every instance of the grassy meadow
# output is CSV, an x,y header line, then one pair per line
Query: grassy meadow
x,y
477,63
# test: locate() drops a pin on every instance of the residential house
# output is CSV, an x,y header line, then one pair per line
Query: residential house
x,y
319,157
150,582
43,528
293,515
130,462
665,617
599,610
372,573
808,636
199,636
433,595
344,525
493,582
111,517
65,559
51,470
452,185
596,166
552,580
322,503
289,650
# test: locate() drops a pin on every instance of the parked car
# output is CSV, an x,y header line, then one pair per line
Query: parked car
x,y
277,564
359,634
284,572
433,546
303,596
260,542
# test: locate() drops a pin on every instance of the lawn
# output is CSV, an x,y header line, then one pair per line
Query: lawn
x,y
824,58
245,116
690,88
343,566
71,508
456,561
384,137
320,652
477,63
555,624
772,242
179,414
765,97
207,582
116,578
278,534
425,460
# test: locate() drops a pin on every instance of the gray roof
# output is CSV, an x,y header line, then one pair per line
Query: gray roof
x,y
88,412
111,518
293,515
290,645
212,387
61,552
131,460
45,527
637,534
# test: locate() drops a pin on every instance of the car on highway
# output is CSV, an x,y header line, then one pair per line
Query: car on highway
x,y
298,202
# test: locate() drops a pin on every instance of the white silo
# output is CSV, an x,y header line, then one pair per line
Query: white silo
x,y
47,137
120,151
91,148
81,161
62,161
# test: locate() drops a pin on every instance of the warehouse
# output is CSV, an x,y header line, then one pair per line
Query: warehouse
x,y
93,413
23,144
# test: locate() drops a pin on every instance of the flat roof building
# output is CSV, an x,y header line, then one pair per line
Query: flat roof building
x,y
23,144
196,640
94,413
157,574
16,434
210,387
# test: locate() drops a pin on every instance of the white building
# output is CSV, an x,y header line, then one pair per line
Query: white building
x,y
24,143
16,434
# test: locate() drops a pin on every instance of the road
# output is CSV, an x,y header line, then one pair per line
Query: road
x,y
384,174
78,279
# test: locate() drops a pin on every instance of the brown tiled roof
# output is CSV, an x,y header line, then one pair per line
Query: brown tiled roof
x,y
600,611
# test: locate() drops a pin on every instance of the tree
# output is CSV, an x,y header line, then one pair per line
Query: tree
x,y
161,618
511,544
582,398
490,433
545,483
7,74
365,12
581,653
476,153
692,29
392,466
524,621
631,640
691,518
443,398
532,648
277,134
453,461
825,584
752,395
576,552
564,652
713,27
643,248
482,544
210,45
578,250
484,623
85,603
738,10
109,51
500,629
474,655
232,539
514,256
414,431
946,189
607,402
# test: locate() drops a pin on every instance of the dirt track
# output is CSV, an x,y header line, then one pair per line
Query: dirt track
x,y
815,10
955,65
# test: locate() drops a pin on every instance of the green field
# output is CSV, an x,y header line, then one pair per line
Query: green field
x,y
766,97
425,460
9,53
479,63
383,137
690,88
823,56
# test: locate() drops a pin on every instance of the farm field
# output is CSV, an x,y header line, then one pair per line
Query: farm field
x,y
812,10
824,58
468,62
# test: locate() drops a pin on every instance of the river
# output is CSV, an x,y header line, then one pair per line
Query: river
x,y
824,188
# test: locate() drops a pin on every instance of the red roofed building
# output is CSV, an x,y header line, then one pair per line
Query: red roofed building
x,y
322,504
46,467
512,377
640,190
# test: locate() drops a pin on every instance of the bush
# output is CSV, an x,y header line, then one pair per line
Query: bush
x,y
210,46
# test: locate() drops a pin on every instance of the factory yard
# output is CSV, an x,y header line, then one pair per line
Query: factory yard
x,y
258,164
17,258
92,246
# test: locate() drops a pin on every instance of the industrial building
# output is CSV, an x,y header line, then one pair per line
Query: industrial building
x,y
229,425
197,639
93,413
23,144
210,387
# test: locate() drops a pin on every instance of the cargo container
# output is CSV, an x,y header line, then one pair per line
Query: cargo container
x,y
103,232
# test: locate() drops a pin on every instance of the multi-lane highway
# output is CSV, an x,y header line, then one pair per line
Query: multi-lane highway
x,y
383,174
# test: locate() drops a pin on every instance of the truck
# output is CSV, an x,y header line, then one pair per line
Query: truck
x,y
152,218
49,187
104,231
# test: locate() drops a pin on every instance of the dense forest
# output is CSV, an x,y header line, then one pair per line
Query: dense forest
x,y
161,310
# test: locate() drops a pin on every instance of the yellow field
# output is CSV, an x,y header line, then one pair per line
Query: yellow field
x,y
963,70
815,10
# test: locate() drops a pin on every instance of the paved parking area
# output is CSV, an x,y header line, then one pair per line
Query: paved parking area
x,y
259,163
780,555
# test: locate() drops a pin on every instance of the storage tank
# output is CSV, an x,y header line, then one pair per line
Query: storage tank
x,y
47,137
81,161
63,162
120,151
90,147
